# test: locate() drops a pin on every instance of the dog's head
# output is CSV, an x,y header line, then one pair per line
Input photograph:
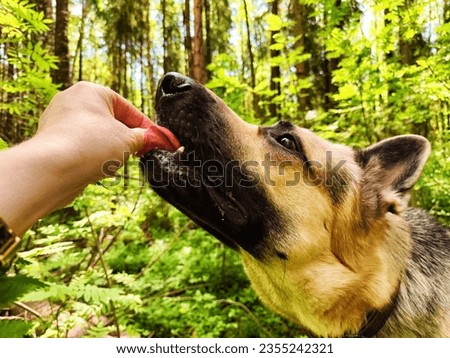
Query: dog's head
x,y
268,189
288,200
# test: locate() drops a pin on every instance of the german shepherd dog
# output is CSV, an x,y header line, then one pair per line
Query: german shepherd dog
x,y
324,230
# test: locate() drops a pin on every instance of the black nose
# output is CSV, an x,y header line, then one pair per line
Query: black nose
x,y
174,82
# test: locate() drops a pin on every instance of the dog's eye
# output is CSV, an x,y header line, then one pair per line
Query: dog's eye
x,y
287,141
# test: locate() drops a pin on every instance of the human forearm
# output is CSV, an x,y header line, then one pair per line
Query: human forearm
x,y
36,179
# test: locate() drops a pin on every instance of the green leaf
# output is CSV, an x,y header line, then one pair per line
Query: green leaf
x,y
346,91
261,86
274,21
3,144
54,291
14,328
13,288
47,250
409,34
277,46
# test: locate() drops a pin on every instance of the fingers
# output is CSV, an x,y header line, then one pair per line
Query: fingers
x,y
128,114
157,137
143,134
87,94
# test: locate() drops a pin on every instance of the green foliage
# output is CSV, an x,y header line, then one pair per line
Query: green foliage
x,y
432,190
3,144
31,88
226,84
13,288
14,328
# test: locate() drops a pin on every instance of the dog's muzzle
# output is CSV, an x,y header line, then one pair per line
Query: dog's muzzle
x,y
205,180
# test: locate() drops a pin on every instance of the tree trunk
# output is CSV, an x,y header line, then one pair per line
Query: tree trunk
x,y
199,71
151,85
256,97
10,126
208,45
446,11
275,73
331,64
387,23
330,88
249,48
188,38
62,75
405,46
300,14
79,50
166,64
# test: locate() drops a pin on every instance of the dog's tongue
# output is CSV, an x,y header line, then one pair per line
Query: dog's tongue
x,y
158,137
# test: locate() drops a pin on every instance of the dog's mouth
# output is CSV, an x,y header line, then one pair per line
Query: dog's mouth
x,y
203,179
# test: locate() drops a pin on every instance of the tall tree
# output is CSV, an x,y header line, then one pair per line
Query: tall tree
x,y
62,75
208,40
119,27
166,39
255,96
217,32
275,73
249,47
188,37
300,13
199,70
171,36
25,63
79,49
446,11
411,48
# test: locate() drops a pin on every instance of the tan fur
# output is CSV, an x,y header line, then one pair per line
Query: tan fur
x,y
332,258
338,269
315,289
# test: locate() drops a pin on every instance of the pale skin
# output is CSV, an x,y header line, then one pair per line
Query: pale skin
x,y
83,128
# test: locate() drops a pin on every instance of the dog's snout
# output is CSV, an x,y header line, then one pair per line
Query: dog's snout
x,y
173,83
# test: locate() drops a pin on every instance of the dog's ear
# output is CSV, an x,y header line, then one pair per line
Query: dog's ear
x,y
390,169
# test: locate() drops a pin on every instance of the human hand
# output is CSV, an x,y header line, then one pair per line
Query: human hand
x,y
98,130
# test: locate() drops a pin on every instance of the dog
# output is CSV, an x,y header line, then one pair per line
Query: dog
x,y
324,230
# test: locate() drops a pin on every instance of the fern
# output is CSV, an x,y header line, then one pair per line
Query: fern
x,y
15,287
14,328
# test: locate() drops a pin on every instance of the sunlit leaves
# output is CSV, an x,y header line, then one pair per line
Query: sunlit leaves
x,y
3,144
346,91
15,287
17,17
14,328
274,22
31,87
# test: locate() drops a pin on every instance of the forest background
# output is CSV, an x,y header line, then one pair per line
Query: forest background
x,y
121,262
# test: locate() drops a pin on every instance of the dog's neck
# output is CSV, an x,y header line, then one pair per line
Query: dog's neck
x,y
329,297
375,320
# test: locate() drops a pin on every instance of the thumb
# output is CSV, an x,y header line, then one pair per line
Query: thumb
x,y
137,139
